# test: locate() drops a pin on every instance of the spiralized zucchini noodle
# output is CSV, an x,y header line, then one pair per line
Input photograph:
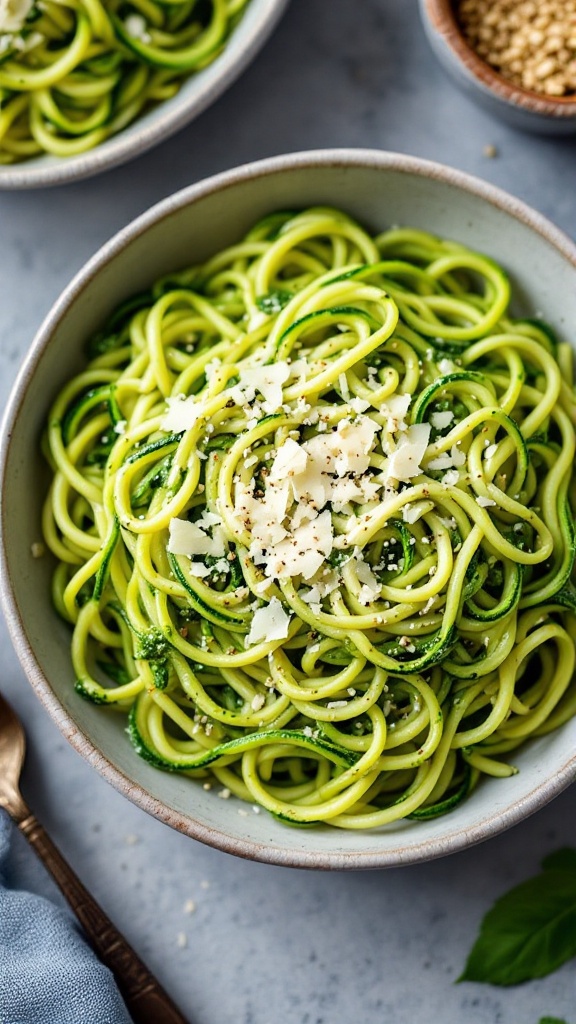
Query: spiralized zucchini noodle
x,y
312,507
74,72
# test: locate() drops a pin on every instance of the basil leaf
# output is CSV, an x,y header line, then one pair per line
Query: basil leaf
x,y
531,930
564,859
551,1020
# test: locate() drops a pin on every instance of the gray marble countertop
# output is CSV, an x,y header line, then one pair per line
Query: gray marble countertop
x,y
265,945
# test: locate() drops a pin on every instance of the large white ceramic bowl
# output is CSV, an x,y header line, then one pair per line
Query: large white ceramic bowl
x,y
380,189
160,122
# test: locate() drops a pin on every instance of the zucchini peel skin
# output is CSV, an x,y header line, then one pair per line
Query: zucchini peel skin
x,y
313,512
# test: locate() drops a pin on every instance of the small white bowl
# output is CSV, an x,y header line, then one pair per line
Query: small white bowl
x,y
197,93
521,108
379,189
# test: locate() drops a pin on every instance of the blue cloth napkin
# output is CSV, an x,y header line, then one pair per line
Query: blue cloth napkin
x,y
48,973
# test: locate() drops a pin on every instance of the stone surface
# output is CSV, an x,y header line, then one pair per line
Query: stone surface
x,y
266,945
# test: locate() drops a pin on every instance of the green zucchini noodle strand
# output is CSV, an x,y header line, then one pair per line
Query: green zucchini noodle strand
x,y
312,511
75,72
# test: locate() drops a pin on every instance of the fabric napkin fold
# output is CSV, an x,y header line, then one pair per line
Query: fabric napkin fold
x,y
48,972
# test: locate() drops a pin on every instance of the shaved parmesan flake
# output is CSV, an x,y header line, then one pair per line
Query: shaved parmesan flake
x,y
199,569
449,460
442,462
302,514
343,385
371,588
269,623
345,490
344,450
490,451
446,366
268,380
450,478
187,538
449,522
267,515
404,462
13,14
458,456
484,502
210,518
441,420
312,485
299,368
291,459
359,405
413,512
322,584
317,461
395,408
302,552
183,413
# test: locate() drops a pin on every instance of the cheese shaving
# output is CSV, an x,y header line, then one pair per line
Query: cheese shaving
x,y
268,623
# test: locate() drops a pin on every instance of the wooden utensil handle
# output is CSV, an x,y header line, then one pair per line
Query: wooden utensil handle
x,y
146,1000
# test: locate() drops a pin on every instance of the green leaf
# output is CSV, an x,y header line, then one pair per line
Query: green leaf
x,y
551,1020
564,859
531,930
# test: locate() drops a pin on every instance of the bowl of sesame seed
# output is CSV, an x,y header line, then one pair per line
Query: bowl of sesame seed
x,y
516,58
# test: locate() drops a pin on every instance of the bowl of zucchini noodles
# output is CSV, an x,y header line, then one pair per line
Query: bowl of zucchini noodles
x,y
287,511
87,86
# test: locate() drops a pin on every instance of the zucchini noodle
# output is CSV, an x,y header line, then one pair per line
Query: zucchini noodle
x,y
312,508
74,72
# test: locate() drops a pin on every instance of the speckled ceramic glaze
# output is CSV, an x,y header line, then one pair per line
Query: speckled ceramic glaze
x,y
521,108
380,189
162,121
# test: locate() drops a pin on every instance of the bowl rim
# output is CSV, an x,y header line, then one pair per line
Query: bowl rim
x,y
403,853
441,18
257,24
